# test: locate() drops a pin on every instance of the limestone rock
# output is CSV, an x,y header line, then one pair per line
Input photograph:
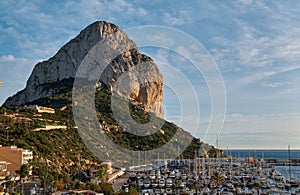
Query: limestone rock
x,y
145,88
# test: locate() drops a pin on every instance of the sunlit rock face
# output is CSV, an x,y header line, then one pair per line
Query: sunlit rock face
x,y
143,86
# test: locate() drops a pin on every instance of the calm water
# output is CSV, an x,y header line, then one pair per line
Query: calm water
x,y
266,154
289,171
286,171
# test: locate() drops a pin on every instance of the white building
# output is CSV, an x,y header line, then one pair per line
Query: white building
x,y
40,109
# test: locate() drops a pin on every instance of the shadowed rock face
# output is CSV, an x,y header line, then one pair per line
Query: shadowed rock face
x,y
143,88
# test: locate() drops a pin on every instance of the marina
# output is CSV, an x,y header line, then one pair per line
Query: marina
x,y
213,176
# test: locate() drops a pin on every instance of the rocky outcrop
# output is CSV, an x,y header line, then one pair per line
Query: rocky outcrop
x,y
145,88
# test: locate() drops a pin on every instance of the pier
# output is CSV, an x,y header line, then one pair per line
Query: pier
x,y
281,162
212,176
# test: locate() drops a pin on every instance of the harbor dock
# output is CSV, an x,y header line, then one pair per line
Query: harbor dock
x,y
211,176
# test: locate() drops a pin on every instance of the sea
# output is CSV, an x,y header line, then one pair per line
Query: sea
x,y
286,171
266,154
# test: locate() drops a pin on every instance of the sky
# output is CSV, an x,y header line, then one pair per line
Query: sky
x,y
255,45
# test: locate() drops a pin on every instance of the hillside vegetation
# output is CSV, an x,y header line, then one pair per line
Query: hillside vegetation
x,y
61,152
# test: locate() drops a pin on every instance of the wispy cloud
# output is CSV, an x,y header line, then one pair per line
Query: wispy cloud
x,y
15,69
261,131
13,73
172,20
275,84
7,58
255,44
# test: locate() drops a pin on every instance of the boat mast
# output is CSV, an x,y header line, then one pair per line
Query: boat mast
x,y
289,152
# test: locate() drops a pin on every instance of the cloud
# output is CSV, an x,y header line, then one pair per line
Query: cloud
x,y
275,84
14,71
261,131
258,54
256,77
245,2
255,44
260,47
7,58
247,50
116,11
236,115
172,20
248,131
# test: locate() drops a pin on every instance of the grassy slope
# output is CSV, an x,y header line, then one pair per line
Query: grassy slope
x,y
62,148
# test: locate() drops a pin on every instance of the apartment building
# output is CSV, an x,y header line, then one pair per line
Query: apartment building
x,y
15,157
40,109
3,169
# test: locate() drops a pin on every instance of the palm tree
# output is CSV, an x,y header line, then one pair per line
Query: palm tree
x,y
195,186
176,185
24,171
236,185
217,178
257,186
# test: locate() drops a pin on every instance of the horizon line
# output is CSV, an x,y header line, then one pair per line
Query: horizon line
x,y
258,149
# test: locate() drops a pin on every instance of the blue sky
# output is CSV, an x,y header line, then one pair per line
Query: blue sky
x,y
256,45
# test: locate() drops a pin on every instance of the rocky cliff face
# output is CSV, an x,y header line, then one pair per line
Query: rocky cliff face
x,y
142,88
